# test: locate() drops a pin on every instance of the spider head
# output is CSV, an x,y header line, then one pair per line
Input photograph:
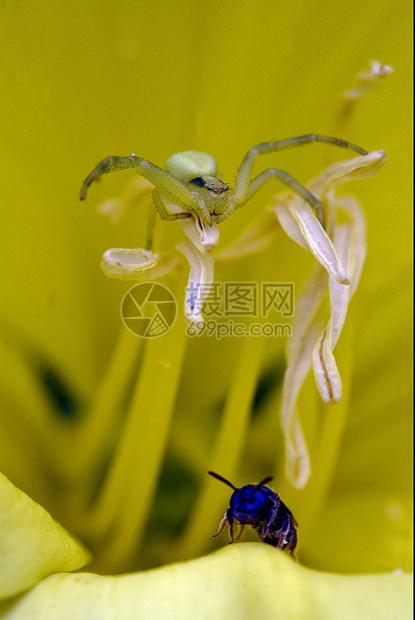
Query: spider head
x,y
212,184
198,169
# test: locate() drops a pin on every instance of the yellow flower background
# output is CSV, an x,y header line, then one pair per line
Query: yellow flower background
x,y
89,79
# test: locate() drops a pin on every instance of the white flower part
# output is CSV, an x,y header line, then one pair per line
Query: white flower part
x,y
367,81
318,241
279,206
340,172
299,221
138,264
199,283
350,241
355,212
209,234
203,236
306,328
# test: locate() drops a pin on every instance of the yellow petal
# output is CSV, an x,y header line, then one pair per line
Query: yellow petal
x,y
33,545
244,581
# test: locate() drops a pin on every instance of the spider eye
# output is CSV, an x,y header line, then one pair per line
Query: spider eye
x,y
212,184
198,181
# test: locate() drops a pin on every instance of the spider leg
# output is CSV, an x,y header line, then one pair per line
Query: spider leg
x,y
161,208
151,224
242,181
288,180
169,187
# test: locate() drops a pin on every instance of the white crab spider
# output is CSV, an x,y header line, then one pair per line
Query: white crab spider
x,y
190,180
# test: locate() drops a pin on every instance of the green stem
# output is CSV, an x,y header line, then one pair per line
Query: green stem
x,y
227,450
127,494
96,434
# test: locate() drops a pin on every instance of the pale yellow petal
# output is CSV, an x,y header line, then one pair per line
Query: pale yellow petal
x,y
33,545
243,581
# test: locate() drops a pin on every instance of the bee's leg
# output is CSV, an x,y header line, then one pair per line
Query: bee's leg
x,y
282,534
231,532
222,526
267,524
239,534
292,543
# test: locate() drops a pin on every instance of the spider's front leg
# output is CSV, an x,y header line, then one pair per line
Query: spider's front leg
x,y
167,185
109,164
161,208
288,180
245,189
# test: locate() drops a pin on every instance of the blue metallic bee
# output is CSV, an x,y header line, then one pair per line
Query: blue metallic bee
x,y
259,506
